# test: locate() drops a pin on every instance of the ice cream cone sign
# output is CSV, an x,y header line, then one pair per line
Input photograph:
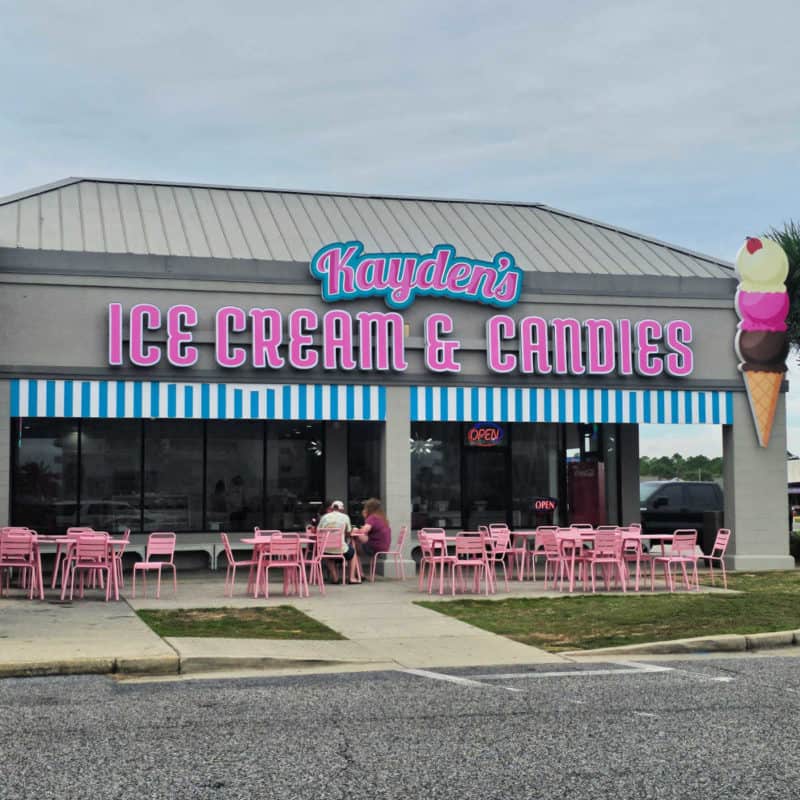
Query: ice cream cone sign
x,y
762,304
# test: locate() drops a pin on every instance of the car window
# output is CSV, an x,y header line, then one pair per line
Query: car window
x,y
646,489
702,496
673,494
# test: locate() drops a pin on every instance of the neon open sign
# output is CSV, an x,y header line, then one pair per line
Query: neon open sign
x,y
485,434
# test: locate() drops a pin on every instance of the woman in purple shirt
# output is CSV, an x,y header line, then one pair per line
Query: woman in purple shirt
x,y
374,536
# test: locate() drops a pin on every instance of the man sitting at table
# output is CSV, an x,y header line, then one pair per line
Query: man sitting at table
x,y
334,517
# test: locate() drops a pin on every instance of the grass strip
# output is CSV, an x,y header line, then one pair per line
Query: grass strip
x,y
767,602
275,622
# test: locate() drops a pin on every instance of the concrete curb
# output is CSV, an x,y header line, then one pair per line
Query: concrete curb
x,y
727,643
162,665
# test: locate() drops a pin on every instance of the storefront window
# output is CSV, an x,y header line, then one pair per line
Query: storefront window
x,y
234,475
435,475
295,474
111,475
363,465
45,474
173,475
535,460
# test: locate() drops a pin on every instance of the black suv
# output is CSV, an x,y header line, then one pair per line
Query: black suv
x,y
668,505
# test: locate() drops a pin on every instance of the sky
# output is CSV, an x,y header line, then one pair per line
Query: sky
x,y
672,118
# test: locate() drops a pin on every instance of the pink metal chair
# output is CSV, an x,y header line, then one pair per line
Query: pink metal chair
x,y
335,542
321,538
554,564
537,550
471,553
62,551
499,549
18,551
282,553
682,553
159,543
633,553
433,544
91,555
718,554
607,552
397,555
230,571
119,552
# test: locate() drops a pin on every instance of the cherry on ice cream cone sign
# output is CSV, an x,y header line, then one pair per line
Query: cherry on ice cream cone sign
x,y
762,303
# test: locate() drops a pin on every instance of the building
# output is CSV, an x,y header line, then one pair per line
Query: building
x,y
204,359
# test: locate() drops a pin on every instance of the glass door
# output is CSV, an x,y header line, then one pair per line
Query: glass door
x,y
485,487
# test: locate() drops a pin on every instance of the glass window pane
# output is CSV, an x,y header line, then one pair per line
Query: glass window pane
x,y
111,474
173,475
45,464
534,473
363,464
435,475
295,474
234,475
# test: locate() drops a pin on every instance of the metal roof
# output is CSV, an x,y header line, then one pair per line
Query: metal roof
x,y
224,222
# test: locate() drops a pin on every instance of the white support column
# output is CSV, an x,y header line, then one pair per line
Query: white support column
x,y
5,452
397,469
756,507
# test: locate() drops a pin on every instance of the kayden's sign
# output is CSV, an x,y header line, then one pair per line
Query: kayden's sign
x,y
304,339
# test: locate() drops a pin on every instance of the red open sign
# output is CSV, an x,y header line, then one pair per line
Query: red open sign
x,y
545,504
485,434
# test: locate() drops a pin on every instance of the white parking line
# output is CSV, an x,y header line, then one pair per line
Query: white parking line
x,y
626,668
439,676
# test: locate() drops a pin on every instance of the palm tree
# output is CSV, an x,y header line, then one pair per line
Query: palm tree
x,y
788,238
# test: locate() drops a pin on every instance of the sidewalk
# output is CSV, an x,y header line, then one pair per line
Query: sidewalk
x,y
383,626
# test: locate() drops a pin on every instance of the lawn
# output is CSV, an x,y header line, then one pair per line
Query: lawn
x,y
278,622
767,602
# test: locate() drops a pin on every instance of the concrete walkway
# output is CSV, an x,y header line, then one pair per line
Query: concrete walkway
x,y
383,626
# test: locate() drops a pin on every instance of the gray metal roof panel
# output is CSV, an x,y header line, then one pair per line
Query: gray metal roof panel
x,y
98,215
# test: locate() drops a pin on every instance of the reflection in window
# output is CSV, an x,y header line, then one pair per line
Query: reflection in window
x,y
234,475
534,472
111,471
363,465
45,467
435,475
173,475
295,474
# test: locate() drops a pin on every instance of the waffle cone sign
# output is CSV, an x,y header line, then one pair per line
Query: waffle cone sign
x,y
762,304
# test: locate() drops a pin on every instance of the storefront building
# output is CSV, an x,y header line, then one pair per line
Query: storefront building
x,y
205,359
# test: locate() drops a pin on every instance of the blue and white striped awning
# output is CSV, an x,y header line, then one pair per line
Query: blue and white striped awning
x,y
169,400
496,404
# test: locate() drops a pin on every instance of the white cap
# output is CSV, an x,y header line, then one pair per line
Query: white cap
x,y
338,505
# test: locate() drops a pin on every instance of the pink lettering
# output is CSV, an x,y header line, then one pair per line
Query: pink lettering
x,y
648,332
440,353
179,352
115,334
481,282
301,356
375,331
266,342
680,362
567,355
600,355
338,341
229,319
534,352
625,343
332,266
144,316
499,327
458,277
